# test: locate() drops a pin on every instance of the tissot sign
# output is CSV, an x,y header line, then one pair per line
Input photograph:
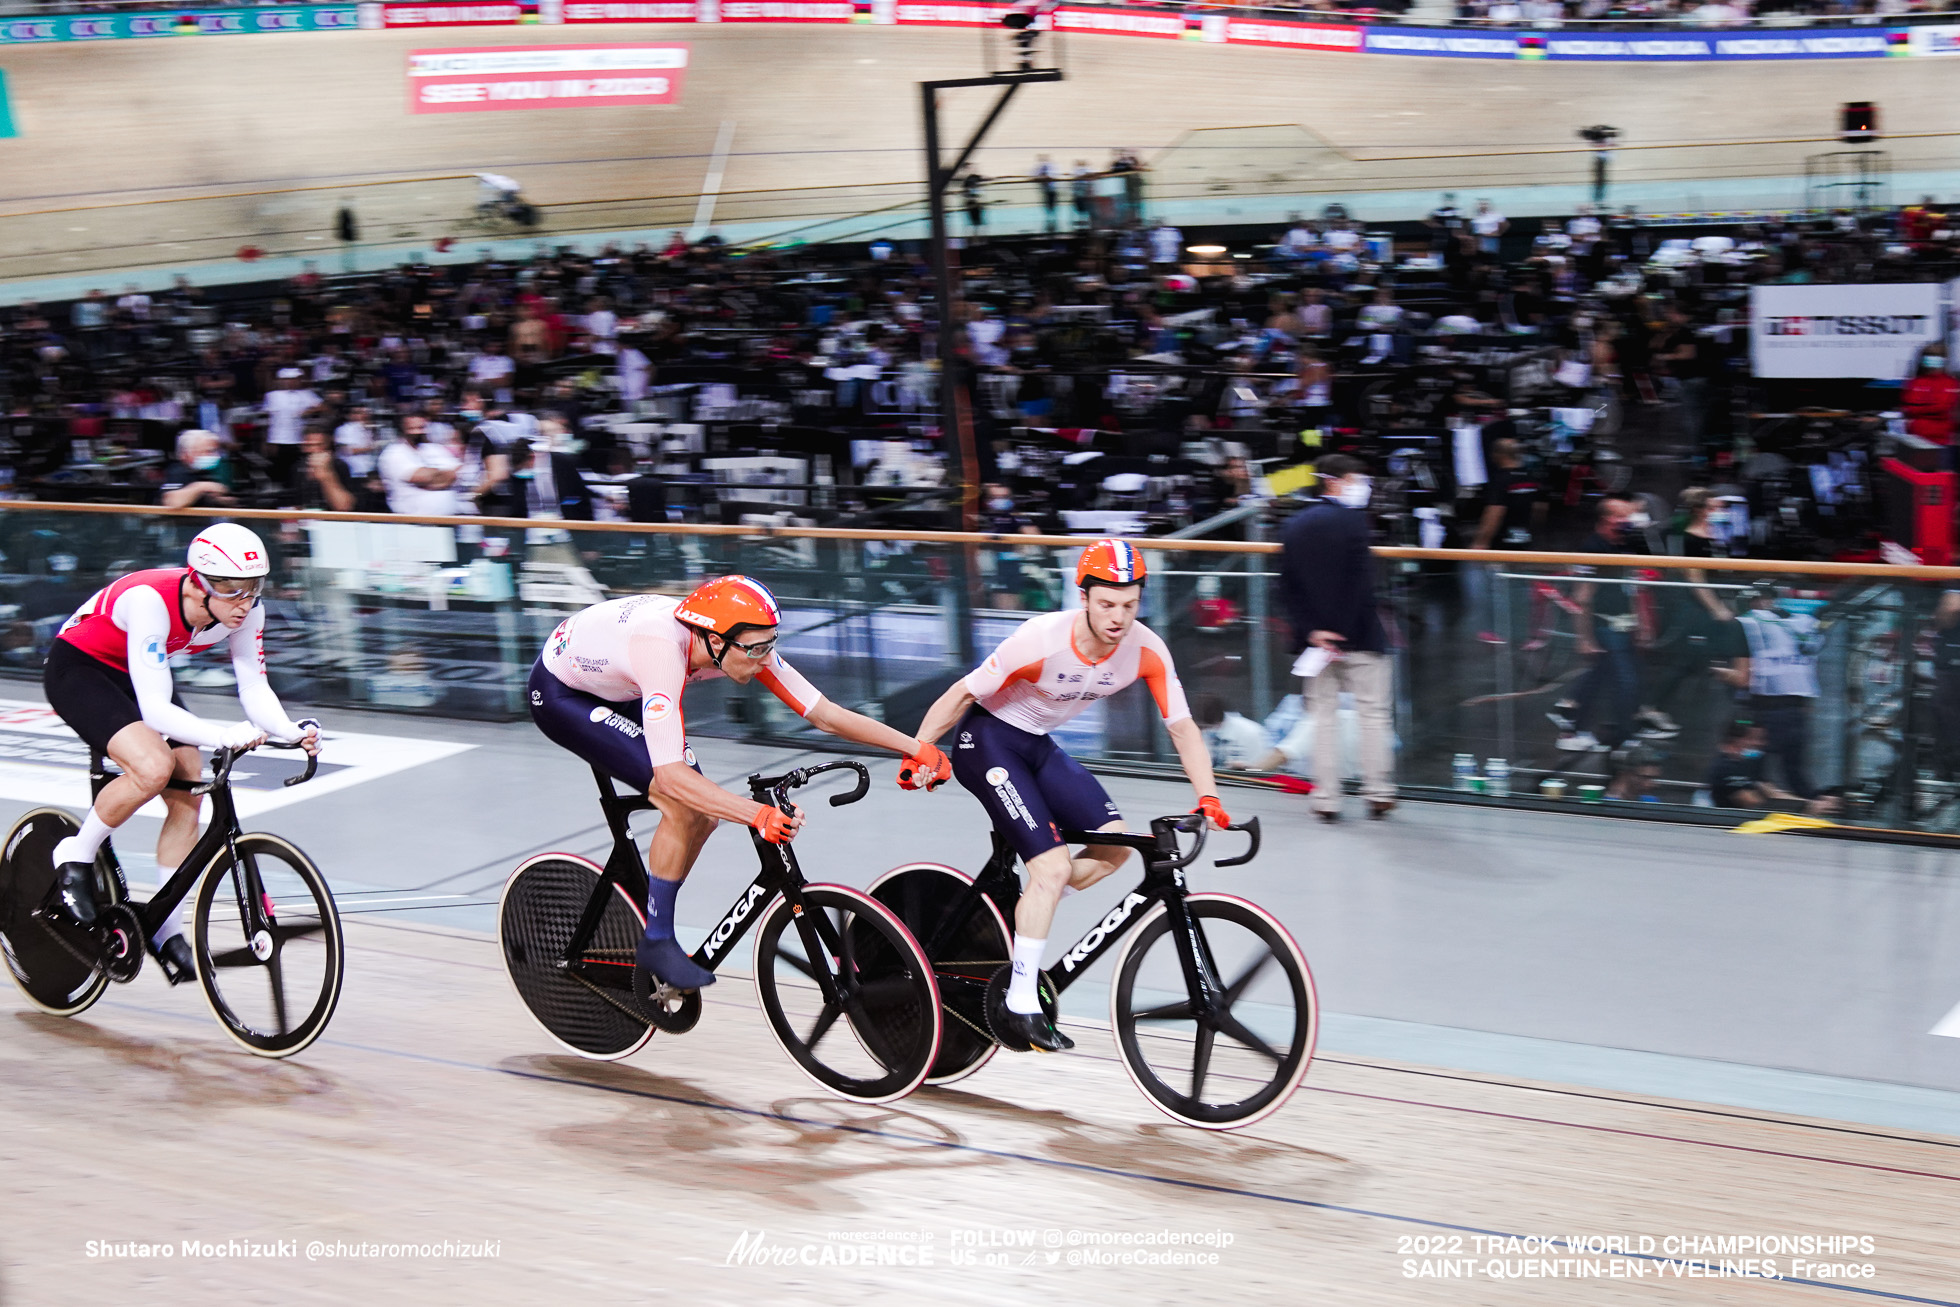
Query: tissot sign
x,y
485,78
1843,331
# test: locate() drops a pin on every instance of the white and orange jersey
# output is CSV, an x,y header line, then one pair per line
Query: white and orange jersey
x,y
635,648
1037,680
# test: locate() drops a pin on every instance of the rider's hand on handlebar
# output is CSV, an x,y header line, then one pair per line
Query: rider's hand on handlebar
x,y
775,825
1214,812
309,739
928,769
240,736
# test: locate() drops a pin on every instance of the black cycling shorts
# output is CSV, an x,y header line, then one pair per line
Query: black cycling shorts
x,y
610,736
1031,789
95,699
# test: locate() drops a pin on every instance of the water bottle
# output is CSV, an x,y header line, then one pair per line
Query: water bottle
x,y
1462,770
1498,772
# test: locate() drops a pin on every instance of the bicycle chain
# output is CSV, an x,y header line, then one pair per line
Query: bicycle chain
x,y
631,1011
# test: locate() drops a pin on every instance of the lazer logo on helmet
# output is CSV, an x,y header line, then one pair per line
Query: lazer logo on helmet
x,y
1090,942
718,939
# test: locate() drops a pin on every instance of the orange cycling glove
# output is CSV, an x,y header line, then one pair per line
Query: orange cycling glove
x,y
928,769
1214,810
773,824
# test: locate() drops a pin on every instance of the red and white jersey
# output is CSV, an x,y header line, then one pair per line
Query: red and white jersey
x,y
1036,679
635,648
95,630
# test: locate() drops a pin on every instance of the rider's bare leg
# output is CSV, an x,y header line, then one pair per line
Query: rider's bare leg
x,y
179,833
1048,874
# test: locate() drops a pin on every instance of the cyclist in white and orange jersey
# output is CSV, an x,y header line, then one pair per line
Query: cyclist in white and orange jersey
x,y
1049,670
608,687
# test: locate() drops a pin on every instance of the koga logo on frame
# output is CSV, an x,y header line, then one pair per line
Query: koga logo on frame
x,y
736,916
1089,942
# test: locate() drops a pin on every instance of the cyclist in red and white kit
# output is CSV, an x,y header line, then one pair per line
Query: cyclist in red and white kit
x,y
1049,670
108,677
608,687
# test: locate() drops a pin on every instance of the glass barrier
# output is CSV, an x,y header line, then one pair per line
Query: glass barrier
x,y
1696,693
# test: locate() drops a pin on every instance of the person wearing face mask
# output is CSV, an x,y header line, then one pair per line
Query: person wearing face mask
x,y
1328,577
1782,672
200,475
1930,398
1606,695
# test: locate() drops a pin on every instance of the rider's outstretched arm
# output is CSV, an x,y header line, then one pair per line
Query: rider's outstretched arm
x,y
141,613
1191,752
946,710
679,781
856,727
255,693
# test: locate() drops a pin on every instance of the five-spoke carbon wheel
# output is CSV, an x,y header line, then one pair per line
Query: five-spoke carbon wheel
x,y
51,975
849,993
965,954
272,973
1238,1062
586,1005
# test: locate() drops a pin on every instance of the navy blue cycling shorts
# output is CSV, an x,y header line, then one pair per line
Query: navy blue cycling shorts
x,y
1031,789
607,735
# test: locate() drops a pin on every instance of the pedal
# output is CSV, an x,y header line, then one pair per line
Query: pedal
x,y
122,942
994,1007
671,1011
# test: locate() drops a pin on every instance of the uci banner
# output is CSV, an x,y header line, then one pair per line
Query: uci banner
x,y
481,79
1696,47
1875,331
179,22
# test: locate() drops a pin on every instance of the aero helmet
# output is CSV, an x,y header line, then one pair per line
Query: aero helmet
x,y
727,606
1109,562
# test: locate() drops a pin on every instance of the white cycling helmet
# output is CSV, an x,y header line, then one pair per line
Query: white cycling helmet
x,y
226,551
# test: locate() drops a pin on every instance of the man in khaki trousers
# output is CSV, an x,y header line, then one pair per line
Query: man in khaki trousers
x,y
1328,576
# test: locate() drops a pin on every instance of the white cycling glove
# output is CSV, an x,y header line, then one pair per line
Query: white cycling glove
x,y
239,735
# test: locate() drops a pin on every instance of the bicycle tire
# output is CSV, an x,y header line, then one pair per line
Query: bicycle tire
x,y
53,979
541,906
254,986
920,894
1289,1057
889,995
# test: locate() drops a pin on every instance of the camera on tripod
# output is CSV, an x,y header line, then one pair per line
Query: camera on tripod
x,y
1600,134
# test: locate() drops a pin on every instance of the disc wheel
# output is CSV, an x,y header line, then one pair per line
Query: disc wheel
x,y
964,955
272,987
1242,1061
50,975
588,1011
874,1039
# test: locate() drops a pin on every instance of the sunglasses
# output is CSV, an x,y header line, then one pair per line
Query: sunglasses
x,y
759,651
233,587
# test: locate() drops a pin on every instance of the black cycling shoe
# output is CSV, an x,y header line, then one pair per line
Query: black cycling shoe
x,y
75,883
1028,1032
175,959
671,965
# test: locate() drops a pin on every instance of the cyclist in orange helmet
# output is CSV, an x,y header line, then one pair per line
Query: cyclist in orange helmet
x,y
608,687
1049,670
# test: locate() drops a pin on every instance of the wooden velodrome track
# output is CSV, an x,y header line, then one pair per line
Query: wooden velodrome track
x,y
837,105
440,1117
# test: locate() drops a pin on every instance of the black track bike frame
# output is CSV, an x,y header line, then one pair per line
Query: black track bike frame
x,y
222,833
779,874
1163,882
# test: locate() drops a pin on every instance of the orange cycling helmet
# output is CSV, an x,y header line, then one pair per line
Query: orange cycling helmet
x,y
729,605
1109,562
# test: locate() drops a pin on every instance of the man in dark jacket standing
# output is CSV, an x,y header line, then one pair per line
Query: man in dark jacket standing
x,y
1329,579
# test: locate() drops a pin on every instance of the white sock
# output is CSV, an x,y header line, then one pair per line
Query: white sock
x,y
84,845
173,925
1022,996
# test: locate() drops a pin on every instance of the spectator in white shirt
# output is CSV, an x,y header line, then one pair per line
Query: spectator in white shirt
x,y
1383,315
1232,740
1342,237
419,473
286,411
1166,244
602,324
492,371
355,441
1584,230
134,303
1489,227
1316,318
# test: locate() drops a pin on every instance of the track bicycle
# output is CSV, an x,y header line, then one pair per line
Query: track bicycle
x,y
1212,1004
265,932
845,987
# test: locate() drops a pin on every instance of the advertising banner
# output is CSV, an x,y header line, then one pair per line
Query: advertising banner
x,y
1124,22
1938,39
629,11
1299,36
1437,41
488,78
787,11
949,13
1842,331
1690,47
493,13
182,22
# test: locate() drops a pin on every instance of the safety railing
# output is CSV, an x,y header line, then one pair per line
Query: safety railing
x,y
1712,690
